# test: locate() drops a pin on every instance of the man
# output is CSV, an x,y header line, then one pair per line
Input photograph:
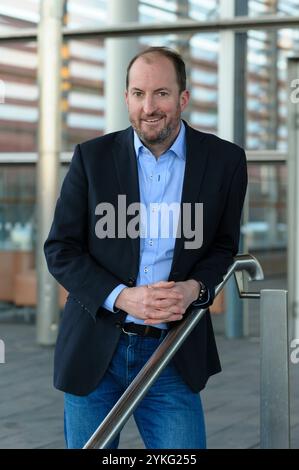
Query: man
x,y
127,290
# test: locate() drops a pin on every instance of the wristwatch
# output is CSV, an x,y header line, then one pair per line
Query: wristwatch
x,y
202,291
203,295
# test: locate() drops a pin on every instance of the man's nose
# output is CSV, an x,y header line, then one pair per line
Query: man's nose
x,y
149,105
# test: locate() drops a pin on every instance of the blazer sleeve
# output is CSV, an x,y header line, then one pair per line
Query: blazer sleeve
x,y
220,255
66,246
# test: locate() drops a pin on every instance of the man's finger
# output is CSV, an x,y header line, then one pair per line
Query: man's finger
x,y
161,294
162,284
167,304
166,320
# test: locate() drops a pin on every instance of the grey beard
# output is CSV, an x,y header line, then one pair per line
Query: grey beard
x,y
162,136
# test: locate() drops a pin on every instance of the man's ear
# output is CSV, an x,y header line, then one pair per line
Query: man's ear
x,y
184,99
126,97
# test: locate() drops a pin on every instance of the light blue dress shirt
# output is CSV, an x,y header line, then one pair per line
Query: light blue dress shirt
x,y
160,181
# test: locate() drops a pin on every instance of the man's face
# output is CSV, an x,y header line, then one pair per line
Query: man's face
x,y
154,101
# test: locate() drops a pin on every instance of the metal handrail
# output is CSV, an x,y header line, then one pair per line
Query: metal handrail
x,y
127,403
239,23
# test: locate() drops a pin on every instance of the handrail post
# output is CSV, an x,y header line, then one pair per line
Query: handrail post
x,y
275,401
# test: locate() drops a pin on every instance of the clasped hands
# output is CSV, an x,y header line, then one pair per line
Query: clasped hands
x,y
161,302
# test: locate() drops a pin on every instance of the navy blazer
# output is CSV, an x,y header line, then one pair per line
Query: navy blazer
x,y
90,268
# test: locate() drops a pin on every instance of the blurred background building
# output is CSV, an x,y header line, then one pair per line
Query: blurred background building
x,y
240,90
83,107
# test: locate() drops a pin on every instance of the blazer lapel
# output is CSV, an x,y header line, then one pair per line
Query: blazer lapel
x,y
127,175
196,159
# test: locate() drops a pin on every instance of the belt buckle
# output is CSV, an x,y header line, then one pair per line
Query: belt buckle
x,y
129,332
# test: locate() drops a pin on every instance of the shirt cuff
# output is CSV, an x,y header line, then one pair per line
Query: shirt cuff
x,y
110,300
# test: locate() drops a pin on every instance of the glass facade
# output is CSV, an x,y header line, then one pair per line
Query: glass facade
x,y
266,228
83,103
84,72
17,207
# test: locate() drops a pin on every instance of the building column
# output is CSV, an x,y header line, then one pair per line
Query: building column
x,y
119,52
49,147
231,126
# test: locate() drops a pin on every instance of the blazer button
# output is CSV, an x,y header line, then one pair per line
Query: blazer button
x,y
118,324
131,281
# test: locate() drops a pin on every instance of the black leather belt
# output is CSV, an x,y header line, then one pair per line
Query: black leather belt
x,y
142,330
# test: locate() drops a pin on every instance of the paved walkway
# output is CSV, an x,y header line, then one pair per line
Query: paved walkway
x,y
31,410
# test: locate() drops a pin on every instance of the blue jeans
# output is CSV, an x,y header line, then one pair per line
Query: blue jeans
x,y
170,416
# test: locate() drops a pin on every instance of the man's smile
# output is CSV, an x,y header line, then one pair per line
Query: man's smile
x,y
152,120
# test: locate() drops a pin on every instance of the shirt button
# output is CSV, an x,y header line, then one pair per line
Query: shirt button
x,y
146,269
150,243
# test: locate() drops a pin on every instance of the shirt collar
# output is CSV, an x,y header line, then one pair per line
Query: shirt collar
x,y
178,147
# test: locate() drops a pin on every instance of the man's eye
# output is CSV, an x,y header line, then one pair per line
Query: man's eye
x,y
163,93
137,93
